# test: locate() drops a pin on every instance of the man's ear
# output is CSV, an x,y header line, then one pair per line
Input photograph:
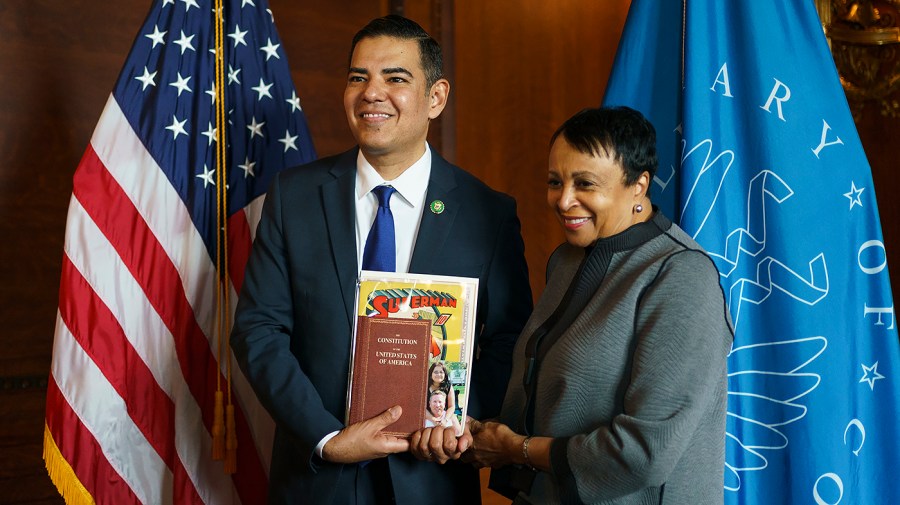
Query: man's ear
x,y
438,95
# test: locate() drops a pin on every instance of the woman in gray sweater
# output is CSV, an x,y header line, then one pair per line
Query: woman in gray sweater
x,y
618,389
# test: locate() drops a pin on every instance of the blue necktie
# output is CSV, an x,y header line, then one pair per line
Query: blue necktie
x,y
381,252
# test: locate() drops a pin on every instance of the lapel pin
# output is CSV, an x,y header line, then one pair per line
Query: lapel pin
x,y
437,206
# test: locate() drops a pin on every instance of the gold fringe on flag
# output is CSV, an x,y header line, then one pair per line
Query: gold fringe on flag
x,y
218,429
62,475
223,431
231,443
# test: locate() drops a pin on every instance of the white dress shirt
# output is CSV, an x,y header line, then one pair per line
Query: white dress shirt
x,y
406,205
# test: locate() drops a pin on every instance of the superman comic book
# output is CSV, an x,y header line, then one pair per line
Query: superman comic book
x,y
412,346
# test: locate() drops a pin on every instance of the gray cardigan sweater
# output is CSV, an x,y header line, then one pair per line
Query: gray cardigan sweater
x,y
631,380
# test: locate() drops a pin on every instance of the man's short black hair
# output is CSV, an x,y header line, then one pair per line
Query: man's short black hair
x,y
621,133
400,27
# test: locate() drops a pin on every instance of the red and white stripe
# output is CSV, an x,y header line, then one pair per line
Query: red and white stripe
x,y
130,404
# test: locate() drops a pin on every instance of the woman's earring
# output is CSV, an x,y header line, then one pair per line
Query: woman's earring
x,y
638,208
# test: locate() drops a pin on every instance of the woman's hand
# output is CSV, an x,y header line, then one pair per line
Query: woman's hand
x,y
493,445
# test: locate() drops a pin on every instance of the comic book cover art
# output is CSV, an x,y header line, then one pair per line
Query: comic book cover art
x,y
432,377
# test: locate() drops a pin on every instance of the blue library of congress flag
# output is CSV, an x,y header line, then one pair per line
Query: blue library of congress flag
x,y
760,161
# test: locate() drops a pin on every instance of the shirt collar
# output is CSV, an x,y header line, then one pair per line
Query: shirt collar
x,y
411,185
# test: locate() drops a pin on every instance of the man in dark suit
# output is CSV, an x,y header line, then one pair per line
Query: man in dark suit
x,y
293,325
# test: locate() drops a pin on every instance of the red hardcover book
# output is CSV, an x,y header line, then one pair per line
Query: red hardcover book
x,y
390,365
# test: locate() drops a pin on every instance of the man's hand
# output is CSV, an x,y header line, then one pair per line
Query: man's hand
x,y
439,444
364,440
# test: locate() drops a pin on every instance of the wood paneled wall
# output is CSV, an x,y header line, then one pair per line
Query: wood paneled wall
x,y
518,69
58,63
524,67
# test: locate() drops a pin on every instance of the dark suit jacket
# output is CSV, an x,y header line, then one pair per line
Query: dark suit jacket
x,y
292,329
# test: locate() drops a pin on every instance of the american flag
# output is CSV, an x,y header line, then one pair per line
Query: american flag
x,y
131,395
